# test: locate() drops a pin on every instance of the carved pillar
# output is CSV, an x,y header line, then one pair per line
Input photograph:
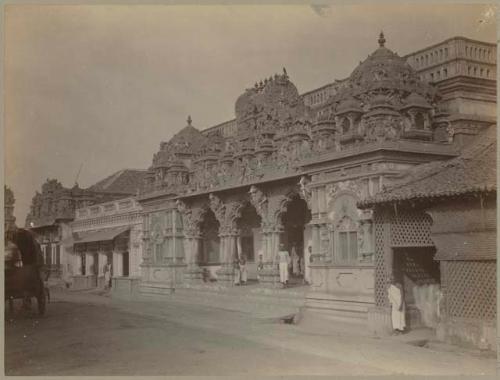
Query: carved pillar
x,y
191,228
226,214
269,276
316,244
227,256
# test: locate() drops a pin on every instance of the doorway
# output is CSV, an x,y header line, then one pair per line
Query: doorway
x,y
250,238
125,264
210,242
294,222
419,274
95,270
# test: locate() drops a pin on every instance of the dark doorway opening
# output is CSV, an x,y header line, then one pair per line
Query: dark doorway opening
x,y
249,226
125,258
95,269
418,272
210,242
294,221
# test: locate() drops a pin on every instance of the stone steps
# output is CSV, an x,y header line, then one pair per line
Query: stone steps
x,y
263,303
330,314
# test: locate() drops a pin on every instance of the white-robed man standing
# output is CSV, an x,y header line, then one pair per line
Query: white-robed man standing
x,y
284,262
396,300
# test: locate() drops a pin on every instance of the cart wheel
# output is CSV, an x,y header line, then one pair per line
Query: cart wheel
x,y
41,302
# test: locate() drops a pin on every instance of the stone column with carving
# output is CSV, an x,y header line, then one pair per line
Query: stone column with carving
x,y
147,250
191,218
270,236
226,214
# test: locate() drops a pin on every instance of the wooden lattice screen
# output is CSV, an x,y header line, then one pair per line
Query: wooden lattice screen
x,y
404,228
471,289
411,229
380,265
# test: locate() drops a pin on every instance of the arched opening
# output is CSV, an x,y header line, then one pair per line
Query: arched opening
x,y
296,236
210,242
346,125
250,239
419,121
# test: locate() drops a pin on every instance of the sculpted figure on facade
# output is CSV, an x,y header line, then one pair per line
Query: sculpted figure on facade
x,y
191,217
305,191
259,200
218,207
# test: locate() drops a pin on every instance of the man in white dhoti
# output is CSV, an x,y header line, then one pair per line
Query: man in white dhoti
x,y
260,264
237,273
107,276
396,300
284,261
295,262
243,270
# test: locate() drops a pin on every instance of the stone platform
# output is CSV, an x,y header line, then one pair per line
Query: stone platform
x,y
273,303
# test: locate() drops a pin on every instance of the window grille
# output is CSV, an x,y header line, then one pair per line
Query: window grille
x,y
471,289
411,229
380,264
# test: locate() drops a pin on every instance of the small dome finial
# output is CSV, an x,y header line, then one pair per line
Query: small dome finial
x,y
189,120
381,39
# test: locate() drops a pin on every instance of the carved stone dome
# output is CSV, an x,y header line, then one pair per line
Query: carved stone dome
x,y
187,142
275,98
383,69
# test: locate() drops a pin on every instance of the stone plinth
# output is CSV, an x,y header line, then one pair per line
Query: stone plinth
x,y
269,278
193,275
379,321
125,287
225,275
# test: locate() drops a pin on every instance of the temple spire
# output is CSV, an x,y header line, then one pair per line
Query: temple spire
x,y
381,39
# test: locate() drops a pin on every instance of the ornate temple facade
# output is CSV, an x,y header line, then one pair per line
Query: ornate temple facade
x,y
54,208
285,171
292,169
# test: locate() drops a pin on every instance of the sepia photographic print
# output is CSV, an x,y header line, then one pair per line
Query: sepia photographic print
x,y
260,190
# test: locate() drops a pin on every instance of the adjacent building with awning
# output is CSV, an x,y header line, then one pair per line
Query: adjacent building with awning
x,y
106,233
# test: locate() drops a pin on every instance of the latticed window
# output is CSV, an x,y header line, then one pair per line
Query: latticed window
x,y
471,289
346,249
348,242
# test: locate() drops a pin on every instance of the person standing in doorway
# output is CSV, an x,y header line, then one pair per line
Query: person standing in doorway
x,y
107,276
395,294
284,262
237,273
260,264
295,261
243,270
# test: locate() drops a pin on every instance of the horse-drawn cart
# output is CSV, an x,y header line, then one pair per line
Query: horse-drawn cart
x,y
27,280
25,283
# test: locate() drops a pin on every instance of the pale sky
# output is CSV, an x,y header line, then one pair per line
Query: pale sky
x,y
104,85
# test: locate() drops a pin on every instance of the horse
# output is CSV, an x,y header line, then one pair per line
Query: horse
x,y
29,280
